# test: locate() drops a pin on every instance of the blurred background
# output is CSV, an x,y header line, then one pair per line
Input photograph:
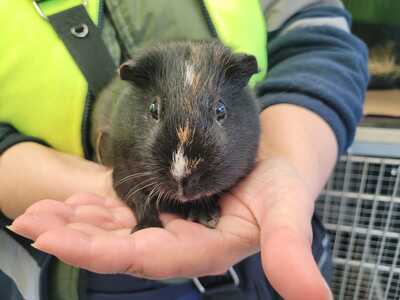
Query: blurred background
x,y
360,205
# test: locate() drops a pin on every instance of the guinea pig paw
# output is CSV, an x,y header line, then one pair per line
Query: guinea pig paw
x,y
206,218
147,224
211,223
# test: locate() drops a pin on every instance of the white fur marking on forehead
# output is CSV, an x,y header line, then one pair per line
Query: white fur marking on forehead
x,y
179,166
189,74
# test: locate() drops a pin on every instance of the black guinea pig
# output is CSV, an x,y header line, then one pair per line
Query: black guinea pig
x,y
179,127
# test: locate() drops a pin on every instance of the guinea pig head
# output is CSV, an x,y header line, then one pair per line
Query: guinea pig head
x,y
195,124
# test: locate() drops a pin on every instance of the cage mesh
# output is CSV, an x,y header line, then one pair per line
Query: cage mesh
x,y
360,207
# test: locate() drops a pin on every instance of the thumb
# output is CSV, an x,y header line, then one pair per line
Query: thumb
x,y
289,264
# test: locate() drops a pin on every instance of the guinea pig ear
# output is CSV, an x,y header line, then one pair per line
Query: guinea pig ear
x,y
137,72
102,147
241,68
125,70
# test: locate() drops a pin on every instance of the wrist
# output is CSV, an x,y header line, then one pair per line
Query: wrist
x,y
31,172
302,139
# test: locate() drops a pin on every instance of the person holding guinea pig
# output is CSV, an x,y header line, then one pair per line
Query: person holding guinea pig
x,y
58,56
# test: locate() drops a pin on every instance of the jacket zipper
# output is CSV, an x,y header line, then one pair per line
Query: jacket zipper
x,y
207,17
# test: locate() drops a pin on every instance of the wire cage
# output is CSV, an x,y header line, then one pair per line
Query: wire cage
x,y
360,208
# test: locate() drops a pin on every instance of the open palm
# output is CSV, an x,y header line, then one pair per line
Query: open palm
x,y
265,211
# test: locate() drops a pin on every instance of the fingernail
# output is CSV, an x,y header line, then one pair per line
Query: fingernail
x,y
9,227
35,246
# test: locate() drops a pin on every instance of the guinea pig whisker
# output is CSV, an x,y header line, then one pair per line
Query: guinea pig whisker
x,y
141,182
132,176
162,195
149,197
154,189
130,193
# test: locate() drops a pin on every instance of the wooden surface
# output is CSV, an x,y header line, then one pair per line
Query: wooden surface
x,y
382,103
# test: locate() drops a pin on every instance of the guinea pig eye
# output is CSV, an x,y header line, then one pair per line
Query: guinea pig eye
x,y
220,111
154,110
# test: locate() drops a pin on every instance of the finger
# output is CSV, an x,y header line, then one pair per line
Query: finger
x,y
124,216
95,249
107,218
87,199
101,253
286,238
52,207
181,250
91,230
290,267
87,204
167,218
51,214
32,225
187,249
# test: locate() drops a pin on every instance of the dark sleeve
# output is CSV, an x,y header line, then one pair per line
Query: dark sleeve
x,y
9,136
320,67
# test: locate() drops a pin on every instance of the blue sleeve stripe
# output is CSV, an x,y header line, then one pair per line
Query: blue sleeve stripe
x,y
321,68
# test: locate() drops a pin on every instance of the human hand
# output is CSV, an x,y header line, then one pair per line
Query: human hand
x,y
269,210
93,232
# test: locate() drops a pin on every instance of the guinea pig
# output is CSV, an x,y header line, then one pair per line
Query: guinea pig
x,y
179,126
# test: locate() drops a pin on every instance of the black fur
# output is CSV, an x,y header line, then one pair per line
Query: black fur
x,y
139,144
